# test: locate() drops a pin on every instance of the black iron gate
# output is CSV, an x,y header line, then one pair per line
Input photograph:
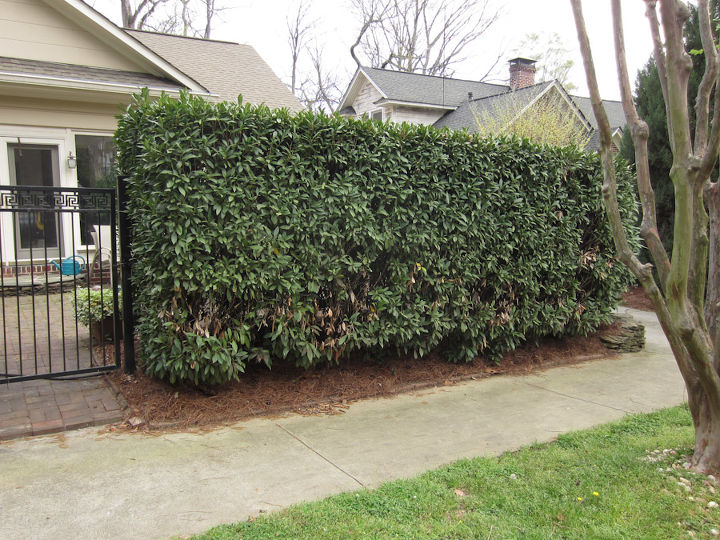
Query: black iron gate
x,y
60,295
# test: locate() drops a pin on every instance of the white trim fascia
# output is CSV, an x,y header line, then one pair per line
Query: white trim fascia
x,y
526,107
381,110
383,94
555,85
94,86
573,105
414,104
616,137
347,93
73,8
13,131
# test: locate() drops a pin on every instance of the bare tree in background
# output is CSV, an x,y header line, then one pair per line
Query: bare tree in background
x,y
419,36
320,90
315,87
298,29
686,296
137,14
171,16
210,11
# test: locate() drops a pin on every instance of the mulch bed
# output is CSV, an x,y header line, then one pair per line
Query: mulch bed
x,y
329,389
637,298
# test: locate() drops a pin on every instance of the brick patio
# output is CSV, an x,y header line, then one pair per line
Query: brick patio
x,y
40,407
41,331
51,341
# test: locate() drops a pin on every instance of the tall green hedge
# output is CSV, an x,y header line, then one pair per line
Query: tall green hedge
x,y
261,235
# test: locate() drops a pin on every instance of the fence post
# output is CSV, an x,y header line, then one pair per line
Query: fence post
x,y
126,266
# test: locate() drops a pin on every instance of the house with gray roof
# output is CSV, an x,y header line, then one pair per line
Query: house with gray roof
x,y
463,104
66,72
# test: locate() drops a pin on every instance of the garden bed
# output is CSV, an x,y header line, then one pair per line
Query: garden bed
x,y
330,389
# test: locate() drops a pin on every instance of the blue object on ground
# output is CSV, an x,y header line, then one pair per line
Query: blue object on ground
x,y
71,266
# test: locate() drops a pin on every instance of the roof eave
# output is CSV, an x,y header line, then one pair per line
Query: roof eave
x,y
351,88
23,79
135,50
347,93
385,101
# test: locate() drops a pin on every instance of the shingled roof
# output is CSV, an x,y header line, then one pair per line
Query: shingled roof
x,y
224,68
614,110
428,89
467,114
74,72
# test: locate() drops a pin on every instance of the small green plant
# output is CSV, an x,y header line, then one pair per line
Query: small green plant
x,y
94,305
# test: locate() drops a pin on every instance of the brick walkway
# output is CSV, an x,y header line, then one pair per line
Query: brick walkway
x,y
39,335
41,407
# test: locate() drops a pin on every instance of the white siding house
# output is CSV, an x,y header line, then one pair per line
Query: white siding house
x,y
65,73
459,104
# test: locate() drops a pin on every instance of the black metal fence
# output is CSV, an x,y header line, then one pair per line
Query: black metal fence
x,y
60,292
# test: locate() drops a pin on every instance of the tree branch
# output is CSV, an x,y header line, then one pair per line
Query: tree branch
x,y
702,102
659,55
640,133
625,253
678,66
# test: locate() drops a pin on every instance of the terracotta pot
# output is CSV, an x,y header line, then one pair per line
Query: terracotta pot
x,y
104,330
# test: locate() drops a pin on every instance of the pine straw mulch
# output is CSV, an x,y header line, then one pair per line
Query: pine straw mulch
x,y
637,298
155,405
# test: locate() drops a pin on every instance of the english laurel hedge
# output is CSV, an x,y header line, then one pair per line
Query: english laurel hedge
x,y
260,235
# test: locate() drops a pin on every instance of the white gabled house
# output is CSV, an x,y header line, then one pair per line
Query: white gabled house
x,y
458,104
66,71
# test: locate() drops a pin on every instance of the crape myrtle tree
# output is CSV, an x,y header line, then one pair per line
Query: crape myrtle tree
x,y
686,294
651,108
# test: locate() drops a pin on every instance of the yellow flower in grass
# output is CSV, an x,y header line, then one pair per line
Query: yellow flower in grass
x,y
596,494
580,499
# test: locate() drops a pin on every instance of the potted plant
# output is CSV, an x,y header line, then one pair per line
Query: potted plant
x,y
94,309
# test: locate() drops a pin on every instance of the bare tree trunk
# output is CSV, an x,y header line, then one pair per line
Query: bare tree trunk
x,y
209,15
138,17
185,17
712,298
298,29
128,19
687,307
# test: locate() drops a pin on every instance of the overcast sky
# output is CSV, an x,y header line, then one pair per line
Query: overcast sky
x,y
262,24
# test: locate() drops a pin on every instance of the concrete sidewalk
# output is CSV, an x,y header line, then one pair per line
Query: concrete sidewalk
x,y
88,484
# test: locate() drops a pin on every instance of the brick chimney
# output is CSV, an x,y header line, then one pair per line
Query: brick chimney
x,y
522,73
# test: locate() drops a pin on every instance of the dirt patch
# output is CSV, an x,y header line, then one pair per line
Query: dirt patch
x,y
637,298
329,389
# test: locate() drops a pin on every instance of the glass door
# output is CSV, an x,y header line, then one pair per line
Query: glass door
x,y
35,165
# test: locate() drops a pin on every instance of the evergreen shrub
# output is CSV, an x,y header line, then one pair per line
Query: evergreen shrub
x,y
259,235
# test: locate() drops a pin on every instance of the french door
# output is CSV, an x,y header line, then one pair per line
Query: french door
x,y
38,231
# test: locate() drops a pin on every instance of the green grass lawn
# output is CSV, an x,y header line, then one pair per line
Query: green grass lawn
x,y
613,481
